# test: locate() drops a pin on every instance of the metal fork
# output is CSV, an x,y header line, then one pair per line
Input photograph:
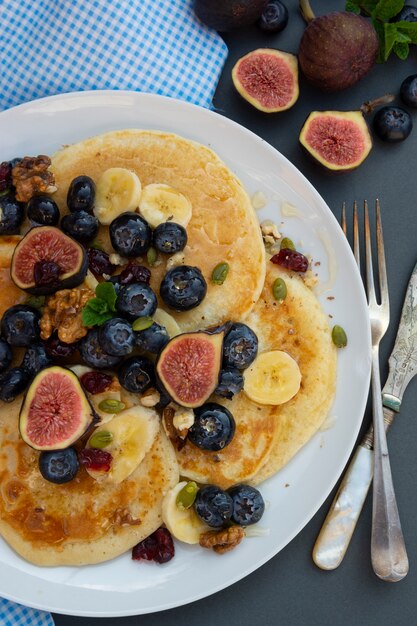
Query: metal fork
x,y
388,552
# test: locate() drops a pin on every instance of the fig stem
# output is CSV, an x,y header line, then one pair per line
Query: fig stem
x,y
371,105
307,11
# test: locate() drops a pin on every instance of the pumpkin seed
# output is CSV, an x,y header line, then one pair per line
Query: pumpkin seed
x,y
111,406
185,497
279,290
287,244
339,337
36,301
220,273
100,439
142,323
151,256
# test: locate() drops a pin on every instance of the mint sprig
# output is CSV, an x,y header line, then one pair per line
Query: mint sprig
x,y
101,308
393,37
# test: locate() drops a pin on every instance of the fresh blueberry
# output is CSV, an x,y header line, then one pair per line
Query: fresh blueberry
x,y
115,281
12,215
240,347
13,383
183,288
59,466
80,225
213,505
130,234
136,374
116,337
248,504
81,194
274,17
99,262
41,209
93,354
407,14
392,124
408,91
20,325
136,300
5,355
57,349
230,383
35,359
169,237
213,428
152,339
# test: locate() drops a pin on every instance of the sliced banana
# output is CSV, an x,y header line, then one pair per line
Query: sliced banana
x,y
273,378
134,431
184,524
163,318
160,203
118,190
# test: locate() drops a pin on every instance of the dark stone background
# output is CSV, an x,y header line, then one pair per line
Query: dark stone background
x,y
290,589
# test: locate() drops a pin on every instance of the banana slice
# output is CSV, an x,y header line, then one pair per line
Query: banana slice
x,y
184,524
163,318
160,203
133,434
273,378
118,190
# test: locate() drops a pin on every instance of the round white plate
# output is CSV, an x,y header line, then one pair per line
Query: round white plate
x,y
122,586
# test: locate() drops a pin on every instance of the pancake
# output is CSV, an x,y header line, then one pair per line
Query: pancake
x,y
223,227
267,437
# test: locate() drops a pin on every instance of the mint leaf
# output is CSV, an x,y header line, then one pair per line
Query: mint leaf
x,y
368,6
409,29
380,31
107,293
401,49
93,318
386,9
98,305
352,6
390,37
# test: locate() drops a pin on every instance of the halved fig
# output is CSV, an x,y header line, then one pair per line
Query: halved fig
x,y
338,140
55,412
46,260
267,79
189,366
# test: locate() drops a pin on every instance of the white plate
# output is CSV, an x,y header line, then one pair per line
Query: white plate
x,y
123,587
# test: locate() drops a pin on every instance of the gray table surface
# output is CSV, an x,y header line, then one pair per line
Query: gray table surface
x,y
290,589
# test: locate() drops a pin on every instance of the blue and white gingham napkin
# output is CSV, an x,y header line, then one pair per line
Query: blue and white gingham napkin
x,y
55,46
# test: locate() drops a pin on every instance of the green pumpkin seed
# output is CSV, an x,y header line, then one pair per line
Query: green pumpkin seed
x,y
97,246
152,255
279,289
142,323
111,406
185,497
339,337
220,273
287,244
101,439
36,301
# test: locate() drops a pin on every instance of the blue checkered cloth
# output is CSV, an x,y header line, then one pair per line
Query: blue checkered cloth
x,y
57,46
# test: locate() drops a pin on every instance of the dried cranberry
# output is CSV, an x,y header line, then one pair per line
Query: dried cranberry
x,y
95,459
58,349
134,273
5,175
96,382
46,273
99,262
291,259
157,547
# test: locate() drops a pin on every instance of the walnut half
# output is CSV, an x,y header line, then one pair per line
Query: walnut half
x,y
223,540
63,312
31,176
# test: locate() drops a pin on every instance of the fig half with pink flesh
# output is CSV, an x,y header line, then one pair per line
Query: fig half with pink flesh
x,y
267,79
189,366
49,245
55,411
337,140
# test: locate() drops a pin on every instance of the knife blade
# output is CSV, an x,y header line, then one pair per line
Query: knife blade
x,y
335,534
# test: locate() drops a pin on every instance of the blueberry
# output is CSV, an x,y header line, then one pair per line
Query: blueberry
x,y
115,281
136,374
392,124
248,504
240,347
41,209
93,354
59,466
116,337
20,325
81,194
213,428
169,237
136,300
213,505
274,17
35,359
13,383
183,288
408,14
12,215
5,355
408,91
152,339
80,225
230,383
130,234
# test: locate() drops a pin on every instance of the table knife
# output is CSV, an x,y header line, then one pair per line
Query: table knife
x,y
338,527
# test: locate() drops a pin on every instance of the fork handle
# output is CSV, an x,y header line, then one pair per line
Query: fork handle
x,y
388,552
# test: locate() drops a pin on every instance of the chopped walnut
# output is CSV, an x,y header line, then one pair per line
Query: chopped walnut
x,y
310,279
63,312
123,517
270,232
150,398
176,259
116,259
222,540
31,176
178,437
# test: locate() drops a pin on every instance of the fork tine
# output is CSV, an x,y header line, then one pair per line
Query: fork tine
x,y
343,219
383,282
368,258
356,250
